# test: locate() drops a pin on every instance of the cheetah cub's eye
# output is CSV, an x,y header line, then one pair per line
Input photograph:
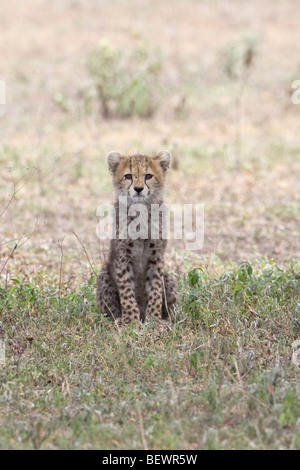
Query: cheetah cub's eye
x,y
128,176
148,176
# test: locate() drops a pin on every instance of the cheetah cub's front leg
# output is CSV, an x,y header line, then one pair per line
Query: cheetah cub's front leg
x,y
124,277
154,272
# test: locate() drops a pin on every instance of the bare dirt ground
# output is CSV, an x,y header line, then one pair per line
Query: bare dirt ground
x,y
235,141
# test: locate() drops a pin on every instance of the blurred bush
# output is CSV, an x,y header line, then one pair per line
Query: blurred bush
x,y
126,82
238,55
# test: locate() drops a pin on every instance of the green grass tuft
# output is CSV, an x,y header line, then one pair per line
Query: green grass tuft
x,y
220,378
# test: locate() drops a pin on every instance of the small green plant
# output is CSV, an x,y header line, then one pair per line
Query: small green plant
x,y
237,60
238,56
126,83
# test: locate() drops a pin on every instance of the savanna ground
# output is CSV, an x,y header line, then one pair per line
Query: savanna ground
x,y
212,83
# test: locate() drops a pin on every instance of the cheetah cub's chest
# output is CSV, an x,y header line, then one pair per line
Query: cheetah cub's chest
x,y
141,255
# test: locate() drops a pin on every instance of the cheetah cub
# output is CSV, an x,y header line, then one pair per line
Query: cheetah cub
x,y
133,284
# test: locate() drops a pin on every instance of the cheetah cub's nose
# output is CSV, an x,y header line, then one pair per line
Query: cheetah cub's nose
x,y
138,189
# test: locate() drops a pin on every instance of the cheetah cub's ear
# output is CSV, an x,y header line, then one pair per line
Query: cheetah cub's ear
x,y
164,159
113,159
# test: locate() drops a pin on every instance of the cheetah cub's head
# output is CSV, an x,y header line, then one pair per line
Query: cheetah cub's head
x,y
139,177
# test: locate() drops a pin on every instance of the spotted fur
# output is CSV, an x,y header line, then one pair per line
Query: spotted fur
x,y
133,284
